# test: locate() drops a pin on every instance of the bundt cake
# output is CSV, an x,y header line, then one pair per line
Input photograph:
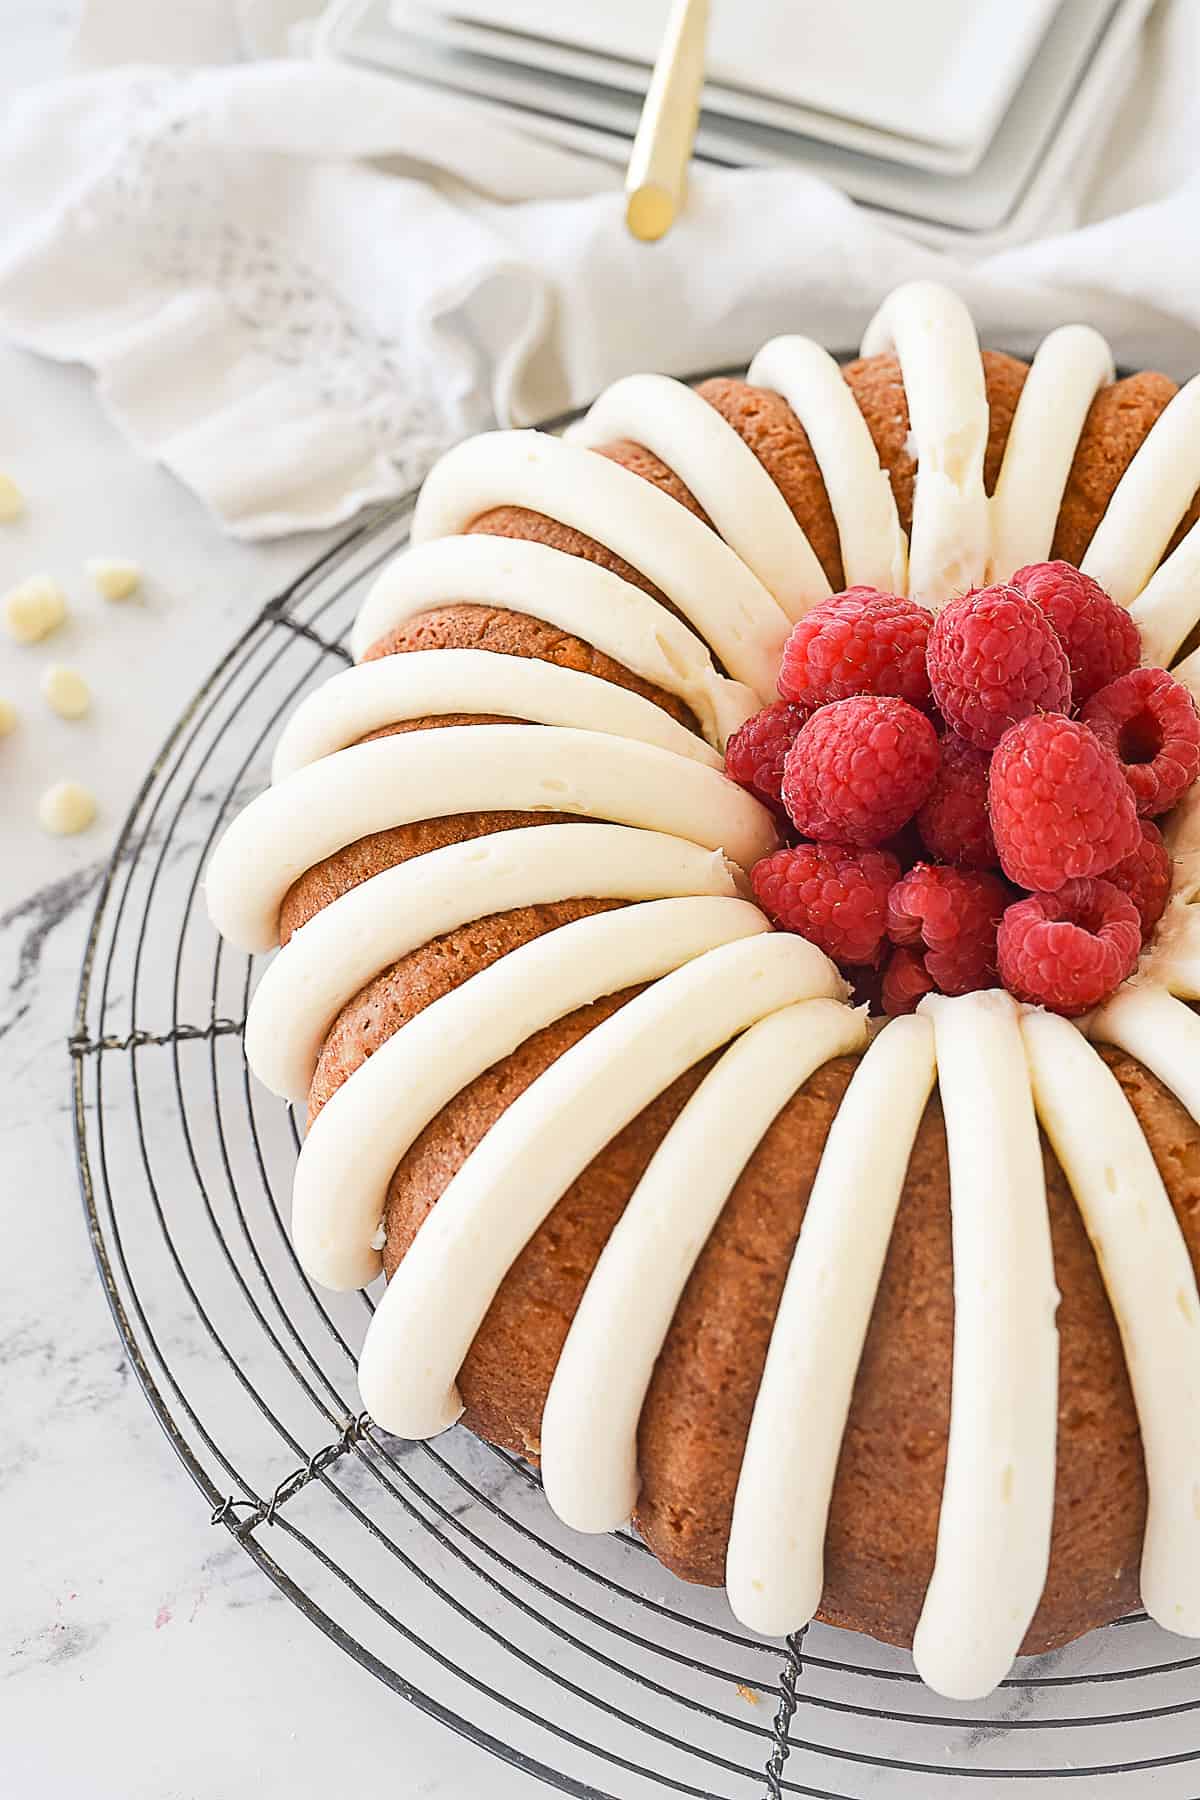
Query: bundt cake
x,y
894,1321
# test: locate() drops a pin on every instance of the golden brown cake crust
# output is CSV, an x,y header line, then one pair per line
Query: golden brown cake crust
x,y
764,421
883,1522
1117,424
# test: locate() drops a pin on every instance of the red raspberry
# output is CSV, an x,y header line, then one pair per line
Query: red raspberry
x,y
1149,722
993,658
1146,877
860,642
835,897
1099,637
859,769
953,822
755,752
953,914
906,981
1068,950
1059,803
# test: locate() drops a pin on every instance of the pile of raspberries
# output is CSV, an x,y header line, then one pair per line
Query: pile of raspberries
x,y
968,797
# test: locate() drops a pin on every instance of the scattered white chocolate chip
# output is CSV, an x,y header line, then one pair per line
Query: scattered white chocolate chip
x,y
66,808
34,608
116,579
66,691
8,717
12,500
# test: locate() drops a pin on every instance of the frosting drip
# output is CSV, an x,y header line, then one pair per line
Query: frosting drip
x,y
1151,1286
775,1563
993,1543
934,338
589,1427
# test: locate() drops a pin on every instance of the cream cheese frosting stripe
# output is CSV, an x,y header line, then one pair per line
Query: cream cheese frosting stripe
x,y
1173,959
590,1421
1070,368
580,597
456,769
1150,499
347,943
1169,604
1150,1282
361,1133
723,474
1160,1031
993,1542
708,582
425,683
775,1562
873,545
439,1295
934,339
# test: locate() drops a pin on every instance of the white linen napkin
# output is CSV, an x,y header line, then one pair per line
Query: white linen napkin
x,y
298,281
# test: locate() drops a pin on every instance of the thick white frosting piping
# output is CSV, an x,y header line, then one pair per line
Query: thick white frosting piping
x,y
723,473
775,1567
590,1423
691,565
993,1542
1173,958
364,1129
1070,368
1169,604
427,683
580,597
1160,1031
934,338
1150,1282
437,1299
456,769
1150,499
374,924
873,545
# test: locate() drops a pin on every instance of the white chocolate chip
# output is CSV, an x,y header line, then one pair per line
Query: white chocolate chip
x,y
66,808
12,500
116,579
8,717
66,691
34,608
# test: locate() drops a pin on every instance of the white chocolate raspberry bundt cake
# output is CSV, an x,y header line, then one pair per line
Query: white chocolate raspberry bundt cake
x,y
889,1320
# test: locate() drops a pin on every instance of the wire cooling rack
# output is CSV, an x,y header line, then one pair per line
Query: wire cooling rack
x,y
438,1566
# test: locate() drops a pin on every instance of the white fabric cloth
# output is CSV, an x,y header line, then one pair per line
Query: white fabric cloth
x,y
297,281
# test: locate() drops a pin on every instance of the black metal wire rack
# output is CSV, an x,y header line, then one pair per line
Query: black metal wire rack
x,y
438,1566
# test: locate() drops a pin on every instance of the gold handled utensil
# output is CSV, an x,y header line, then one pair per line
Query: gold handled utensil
x,y
656,180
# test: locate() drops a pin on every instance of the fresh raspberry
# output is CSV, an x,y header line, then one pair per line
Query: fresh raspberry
x,y
754,753
860,642
1060,805
953,822
1068,950
859,769
994,658
1099,637
953,915
906,981
835,897
1149,722
1146,877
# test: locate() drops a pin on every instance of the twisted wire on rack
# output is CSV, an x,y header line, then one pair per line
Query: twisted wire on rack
x,y
537,1613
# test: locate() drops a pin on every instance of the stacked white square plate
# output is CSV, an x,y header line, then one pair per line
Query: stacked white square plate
x,y
956,121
